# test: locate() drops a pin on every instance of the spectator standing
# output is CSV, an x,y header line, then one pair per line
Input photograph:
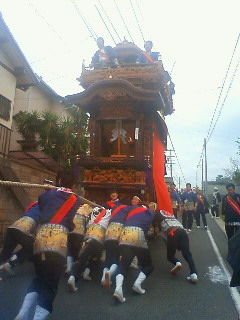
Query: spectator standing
x,y
215,203
201,208
231,210
189,200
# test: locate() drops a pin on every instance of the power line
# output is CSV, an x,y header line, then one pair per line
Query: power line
x,y
222,87
228,90
177,157
123,21
43,18
109,21
210,130
137,21
90,29
105,24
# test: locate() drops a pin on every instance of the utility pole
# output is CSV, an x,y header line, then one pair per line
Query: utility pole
x,y
170,162
202,173
205,154
179,183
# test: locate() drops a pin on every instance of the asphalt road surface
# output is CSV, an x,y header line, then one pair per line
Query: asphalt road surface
x,y
167,297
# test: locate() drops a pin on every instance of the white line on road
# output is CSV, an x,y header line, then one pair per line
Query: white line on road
x,y
233,291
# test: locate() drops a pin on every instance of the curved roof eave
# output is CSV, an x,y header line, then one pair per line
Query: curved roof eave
x,y
87,95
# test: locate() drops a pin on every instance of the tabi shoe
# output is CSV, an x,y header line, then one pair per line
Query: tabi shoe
x,y
8,268
118,293
40,313
205,227
193,278
198,227
107,282
134,264
103,276
137,284
189,230
71,284
69,264
86,274
29,299
176,268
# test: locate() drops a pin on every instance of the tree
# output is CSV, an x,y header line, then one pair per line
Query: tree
x,y
28,124
62,138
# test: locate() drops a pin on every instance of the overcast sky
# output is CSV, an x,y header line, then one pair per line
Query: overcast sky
x,y
196,37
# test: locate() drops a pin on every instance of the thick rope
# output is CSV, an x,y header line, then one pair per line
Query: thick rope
x,y
35,185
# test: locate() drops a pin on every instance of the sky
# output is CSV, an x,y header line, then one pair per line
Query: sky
x,y
196,40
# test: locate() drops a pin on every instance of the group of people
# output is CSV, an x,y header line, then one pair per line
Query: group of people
x,y
191,205
105,55
58,225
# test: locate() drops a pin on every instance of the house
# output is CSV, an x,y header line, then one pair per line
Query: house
x,y
21,90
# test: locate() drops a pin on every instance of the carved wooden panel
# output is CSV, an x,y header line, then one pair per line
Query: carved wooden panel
x,y
114,175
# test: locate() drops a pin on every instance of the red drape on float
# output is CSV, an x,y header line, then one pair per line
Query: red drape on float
x,y
162,194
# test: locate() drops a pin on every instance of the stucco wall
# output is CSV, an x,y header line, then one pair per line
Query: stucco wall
x,y
34,99
8,86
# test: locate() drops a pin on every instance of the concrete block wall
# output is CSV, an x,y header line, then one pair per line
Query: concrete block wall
x,y
10,208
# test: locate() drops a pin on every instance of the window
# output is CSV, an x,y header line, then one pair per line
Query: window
x,y
5,107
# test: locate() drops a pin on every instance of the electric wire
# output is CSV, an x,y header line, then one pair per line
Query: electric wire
x,y
137,20
123,21
105,24
225,98
43,18
90,29
109,21
177,157
220,94
223,84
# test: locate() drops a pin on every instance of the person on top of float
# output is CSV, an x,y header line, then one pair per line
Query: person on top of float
x,y
148,57
104,56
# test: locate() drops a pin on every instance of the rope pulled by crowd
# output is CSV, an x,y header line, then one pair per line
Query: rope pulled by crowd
x,y
36,185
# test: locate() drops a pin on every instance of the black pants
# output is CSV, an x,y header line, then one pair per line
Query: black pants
x,y
215,209
179,241
203,215
187,219
175,210
112,253
231,230
13,238
74,244
91,249
127,253
48,270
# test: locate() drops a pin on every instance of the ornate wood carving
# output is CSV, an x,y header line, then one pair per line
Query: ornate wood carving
x,y
114,175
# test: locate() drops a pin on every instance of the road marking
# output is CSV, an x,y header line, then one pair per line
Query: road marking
x,y
233,291
217,275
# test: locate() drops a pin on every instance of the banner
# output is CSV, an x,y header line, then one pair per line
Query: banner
x,y
162,194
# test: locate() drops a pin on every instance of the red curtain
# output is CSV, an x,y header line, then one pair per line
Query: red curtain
x,y
162,194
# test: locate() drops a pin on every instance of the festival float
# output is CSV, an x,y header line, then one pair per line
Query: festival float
x,y
127,105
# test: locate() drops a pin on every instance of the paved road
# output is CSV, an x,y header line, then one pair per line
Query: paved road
x,y
167,297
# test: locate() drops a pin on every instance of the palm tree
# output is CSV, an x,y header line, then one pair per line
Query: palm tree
x,y
28,124
48,132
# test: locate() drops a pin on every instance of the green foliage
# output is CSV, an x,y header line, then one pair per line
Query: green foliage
x,y
61,139
236,176
28,124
